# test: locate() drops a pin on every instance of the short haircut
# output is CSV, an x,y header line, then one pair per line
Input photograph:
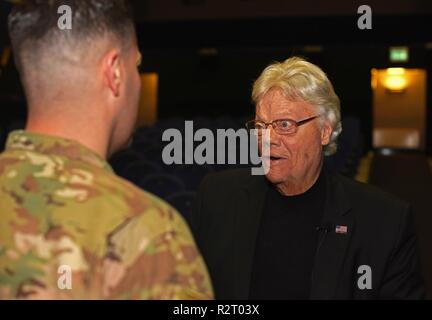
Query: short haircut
x,y
33,26
298,78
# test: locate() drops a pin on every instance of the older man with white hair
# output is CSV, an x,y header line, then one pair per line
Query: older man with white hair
x,y
299,232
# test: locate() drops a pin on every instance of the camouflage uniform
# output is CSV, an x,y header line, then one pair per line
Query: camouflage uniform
x,y
62,205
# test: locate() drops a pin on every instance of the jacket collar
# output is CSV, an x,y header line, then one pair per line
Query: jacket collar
x,y
332,243
56,146
330,256
337,201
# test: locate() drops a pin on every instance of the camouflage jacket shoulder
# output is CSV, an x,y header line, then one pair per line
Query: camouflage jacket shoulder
x,y
70,228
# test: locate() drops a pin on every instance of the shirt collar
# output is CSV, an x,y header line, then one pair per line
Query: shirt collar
x,y
51,145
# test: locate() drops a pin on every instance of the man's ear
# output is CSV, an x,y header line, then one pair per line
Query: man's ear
x,y
112,71
326,132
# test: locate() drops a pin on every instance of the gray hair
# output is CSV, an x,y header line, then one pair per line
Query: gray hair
x,y
298,78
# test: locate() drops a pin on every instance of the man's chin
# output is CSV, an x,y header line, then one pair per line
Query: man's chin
x,y
274,177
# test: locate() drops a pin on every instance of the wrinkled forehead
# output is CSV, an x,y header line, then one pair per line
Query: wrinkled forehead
x,y
275,104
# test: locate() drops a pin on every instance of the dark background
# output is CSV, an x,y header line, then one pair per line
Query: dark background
x,y
208,53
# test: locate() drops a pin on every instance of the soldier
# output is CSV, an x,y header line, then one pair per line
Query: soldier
x,y
69,227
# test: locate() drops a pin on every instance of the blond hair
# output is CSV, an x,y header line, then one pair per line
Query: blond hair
x,y
298,78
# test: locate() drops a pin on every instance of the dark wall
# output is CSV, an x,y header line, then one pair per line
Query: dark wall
x,y
218,79
156,10
237,51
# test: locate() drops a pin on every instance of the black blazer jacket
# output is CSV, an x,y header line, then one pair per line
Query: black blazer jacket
x,y
380,235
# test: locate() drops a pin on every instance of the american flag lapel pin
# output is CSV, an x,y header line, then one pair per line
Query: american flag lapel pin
x,y
341,229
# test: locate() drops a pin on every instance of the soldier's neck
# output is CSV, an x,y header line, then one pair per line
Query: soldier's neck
x,y
92,135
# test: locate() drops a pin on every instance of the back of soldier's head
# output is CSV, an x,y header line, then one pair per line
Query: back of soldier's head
x,y
52,38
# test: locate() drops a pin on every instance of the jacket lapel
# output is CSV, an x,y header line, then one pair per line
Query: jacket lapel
x,y
332,246
249,210
330,253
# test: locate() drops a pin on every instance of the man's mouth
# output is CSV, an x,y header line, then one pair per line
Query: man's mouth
x,y
273,160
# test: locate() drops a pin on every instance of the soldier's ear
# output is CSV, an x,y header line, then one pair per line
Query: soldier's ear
x,y
112,71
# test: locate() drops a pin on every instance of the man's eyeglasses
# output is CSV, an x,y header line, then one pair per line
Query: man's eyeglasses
x,y
280,126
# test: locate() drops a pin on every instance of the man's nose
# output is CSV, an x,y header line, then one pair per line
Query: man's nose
x,y
274,137
270,137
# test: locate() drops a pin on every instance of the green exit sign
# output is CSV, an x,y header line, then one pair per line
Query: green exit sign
x,y
399,54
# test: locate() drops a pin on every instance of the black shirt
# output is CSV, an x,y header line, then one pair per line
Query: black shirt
x,y
286,243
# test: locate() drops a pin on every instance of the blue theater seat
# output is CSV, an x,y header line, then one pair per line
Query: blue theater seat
x,y
120,160
161,184
139,169
192,175
183,202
